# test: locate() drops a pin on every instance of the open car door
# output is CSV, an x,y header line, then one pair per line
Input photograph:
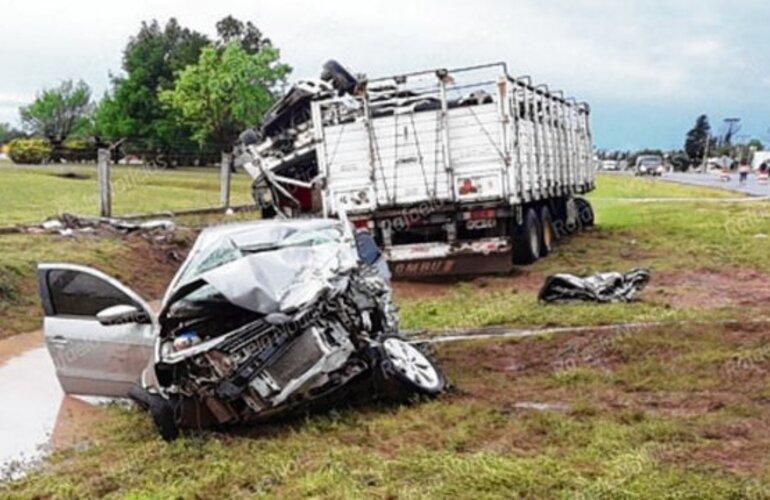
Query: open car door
x,y
99,332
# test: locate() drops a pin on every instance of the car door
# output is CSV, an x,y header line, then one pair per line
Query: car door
x,y
92,358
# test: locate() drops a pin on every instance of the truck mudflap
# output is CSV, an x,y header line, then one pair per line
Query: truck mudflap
x,y
439,259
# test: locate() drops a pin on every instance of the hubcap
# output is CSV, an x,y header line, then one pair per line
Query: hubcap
x,y
534,241
412,364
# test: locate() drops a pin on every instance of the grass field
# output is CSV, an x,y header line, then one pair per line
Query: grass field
x,y
677,412
31,194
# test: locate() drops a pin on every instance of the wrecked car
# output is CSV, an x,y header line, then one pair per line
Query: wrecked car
x,y
263,319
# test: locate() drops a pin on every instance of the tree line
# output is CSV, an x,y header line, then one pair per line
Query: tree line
x,y
180,98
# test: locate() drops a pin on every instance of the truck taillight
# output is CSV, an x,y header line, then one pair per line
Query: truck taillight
x,y
480,214
363,224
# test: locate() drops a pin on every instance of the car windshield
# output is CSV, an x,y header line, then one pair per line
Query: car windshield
x,y
224,250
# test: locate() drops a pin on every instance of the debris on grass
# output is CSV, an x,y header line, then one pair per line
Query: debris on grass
x,y
601,287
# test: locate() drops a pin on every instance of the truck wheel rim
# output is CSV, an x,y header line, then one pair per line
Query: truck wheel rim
x,y
412,364
534,242
547,235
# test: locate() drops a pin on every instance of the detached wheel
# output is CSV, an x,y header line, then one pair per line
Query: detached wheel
x,y
548,233
407,371
526,247
585,213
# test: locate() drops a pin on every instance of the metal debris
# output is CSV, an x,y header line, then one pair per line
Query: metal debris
x,y
601,287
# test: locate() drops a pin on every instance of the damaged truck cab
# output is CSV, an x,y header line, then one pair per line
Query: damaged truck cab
x,y
262,319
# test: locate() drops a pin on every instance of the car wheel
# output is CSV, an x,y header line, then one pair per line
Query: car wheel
x,y
526,248
585,212
407,371
164,416
161,409
548,234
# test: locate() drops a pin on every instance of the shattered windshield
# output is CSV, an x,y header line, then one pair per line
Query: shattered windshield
x,y
220,253
226,250
298,239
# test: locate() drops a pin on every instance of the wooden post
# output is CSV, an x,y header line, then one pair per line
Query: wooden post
x,y
224,180
105,196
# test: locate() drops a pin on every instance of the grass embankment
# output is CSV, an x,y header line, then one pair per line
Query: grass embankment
x,y
675,411
665,413
687,245
678,241
31,194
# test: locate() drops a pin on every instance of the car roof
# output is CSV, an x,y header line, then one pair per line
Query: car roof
x,y
263,231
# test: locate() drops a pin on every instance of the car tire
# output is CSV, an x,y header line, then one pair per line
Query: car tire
x,y
585,213
547,232
527,238
161,409
164,416
407,372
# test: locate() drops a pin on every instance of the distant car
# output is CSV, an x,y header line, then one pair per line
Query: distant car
x,y
610,165
263,319
649,165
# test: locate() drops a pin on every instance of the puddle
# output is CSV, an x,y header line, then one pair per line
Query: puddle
x,y
36,416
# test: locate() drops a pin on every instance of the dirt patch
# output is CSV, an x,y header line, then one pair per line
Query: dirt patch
x,y
514,282
153,260
710,288
19,344
584,373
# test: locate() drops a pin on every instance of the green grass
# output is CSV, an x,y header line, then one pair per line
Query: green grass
x,y
32,194
611,440
677,412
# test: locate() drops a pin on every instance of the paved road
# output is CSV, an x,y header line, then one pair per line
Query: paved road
x,y
752,188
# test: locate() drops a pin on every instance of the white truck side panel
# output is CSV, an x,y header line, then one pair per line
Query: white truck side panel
x,y
532,147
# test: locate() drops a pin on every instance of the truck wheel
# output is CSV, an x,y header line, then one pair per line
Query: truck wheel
x,y
585,213
526,241
548,234
340,77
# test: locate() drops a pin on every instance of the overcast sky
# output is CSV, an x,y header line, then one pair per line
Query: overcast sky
x,y
647,68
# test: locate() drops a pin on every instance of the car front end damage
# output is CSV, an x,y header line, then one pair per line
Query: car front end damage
x,y
280,330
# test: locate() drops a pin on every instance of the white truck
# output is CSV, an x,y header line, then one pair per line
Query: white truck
x,y
461,171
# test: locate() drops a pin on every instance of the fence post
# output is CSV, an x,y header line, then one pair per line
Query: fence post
x,y
224,180
105,196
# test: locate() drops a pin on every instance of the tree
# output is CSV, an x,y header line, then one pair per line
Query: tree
x,y
756,144
9,133
226,91
250,38
150,62
59,112
697,139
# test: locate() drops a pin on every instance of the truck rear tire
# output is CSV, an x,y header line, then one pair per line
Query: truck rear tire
x,y
548,234
585,213
526,240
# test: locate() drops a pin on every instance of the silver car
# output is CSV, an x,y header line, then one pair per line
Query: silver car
x,y
262,319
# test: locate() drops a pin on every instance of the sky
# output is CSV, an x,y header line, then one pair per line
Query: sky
x,y
648,68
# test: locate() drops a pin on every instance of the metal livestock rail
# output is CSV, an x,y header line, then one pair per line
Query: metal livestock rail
x,y
455,171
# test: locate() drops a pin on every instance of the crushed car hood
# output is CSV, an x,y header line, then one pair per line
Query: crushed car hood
x,y
282,280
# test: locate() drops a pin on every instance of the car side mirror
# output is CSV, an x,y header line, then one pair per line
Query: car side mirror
x,y
121,315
